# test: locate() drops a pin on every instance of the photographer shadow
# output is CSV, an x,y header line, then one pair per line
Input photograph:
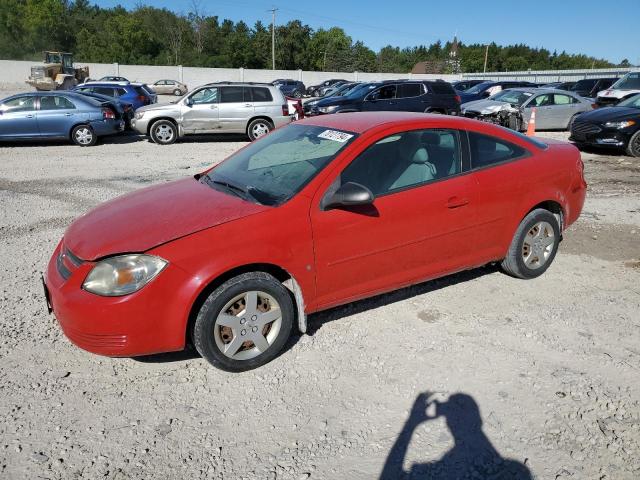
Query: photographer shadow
x,y
472,456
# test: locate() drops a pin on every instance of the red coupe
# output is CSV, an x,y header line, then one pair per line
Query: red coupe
x,y
319,213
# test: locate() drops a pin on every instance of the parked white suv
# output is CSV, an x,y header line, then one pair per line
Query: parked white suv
x,y
624,88
224,107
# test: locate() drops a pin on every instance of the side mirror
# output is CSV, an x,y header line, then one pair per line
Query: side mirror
x,y
188,102
486,94
348,195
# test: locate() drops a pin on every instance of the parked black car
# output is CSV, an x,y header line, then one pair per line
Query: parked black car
x,y
310,106
314,90
434,96
617,126
559,85
486,89
589,87
464,85
290,88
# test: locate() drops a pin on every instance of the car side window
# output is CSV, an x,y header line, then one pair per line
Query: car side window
x,y
387,92
19,104
406,90
261,94
205,96
406,159
487,150
541,101
104,91
231,95
559,99
55,103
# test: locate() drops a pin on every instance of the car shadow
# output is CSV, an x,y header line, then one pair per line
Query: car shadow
x,y
472,455
317,320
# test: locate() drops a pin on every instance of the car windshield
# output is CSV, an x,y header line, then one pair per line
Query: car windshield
x,y
514,97
273,169
584,85
633,102
479,87
361,90
631,81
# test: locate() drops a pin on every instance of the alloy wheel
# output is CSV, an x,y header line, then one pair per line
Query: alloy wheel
x,y
538,245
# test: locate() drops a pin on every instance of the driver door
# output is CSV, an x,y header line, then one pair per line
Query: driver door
x,y
382,99
200,112
418,225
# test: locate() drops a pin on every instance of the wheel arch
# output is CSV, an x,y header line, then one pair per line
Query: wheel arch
x,y
552,206
276,271
156,119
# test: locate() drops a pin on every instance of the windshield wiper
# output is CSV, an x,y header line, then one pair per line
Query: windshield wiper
x,y
232,188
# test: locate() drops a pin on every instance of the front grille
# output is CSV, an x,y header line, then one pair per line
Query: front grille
x,y
581,129
67,262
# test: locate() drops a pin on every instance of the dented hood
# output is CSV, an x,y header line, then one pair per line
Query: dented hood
x,y
485,106
152,216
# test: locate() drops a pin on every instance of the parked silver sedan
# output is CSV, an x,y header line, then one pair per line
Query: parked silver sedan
x,y
170,87
555,109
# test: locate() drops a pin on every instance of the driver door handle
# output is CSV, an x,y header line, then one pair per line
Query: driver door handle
x,y
29,116
248,105
213,107
455,202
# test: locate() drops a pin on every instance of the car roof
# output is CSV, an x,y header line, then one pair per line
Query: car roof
x,y
106,83
360,122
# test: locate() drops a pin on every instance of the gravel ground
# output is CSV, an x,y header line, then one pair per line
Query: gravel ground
x,y
535,376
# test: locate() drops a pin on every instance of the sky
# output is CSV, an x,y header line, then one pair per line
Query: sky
x,y
598,29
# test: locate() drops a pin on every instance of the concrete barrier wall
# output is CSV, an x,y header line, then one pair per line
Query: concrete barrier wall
x,y
540,76
14,73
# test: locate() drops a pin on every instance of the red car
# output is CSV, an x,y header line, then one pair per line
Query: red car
x,y
319,213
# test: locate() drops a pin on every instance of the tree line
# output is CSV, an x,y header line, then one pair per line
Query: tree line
x,y
154,36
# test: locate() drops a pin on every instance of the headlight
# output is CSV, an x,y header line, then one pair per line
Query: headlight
x,y
123,274
623,124
329,109
139,115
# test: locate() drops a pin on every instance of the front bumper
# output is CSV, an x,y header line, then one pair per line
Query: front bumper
x,y
140,125
597,135
151,320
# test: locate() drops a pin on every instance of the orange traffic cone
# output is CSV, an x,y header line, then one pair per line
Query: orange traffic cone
x,y
531,126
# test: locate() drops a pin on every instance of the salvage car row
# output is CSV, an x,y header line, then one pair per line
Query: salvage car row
x,y
111,105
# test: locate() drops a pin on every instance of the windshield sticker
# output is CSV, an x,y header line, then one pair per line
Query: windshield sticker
x,y
335,136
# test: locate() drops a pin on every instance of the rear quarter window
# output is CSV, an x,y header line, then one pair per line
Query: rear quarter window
x,y
141,91
441,88
487,150
261,94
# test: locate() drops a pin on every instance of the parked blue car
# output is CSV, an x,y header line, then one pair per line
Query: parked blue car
x,y
133,93
124,110
57,115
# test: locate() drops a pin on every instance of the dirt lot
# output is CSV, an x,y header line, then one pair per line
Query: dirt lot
x,y
538,376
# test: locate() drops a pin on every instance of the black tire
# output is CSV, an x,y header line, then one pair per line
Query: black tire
x,y
204,329
633,147
177,92
84,136
163,132
258,128
514,263
571,120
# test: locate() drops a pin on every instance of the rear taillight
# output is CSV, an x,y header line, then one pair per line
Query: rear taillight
x,y
143,99
285,110
594,105
458,98
107,113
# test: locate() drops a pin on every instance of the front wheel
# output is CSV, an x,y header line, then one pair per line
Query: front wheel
x,y
164,132
244,323
571,120
633,147
534,245
84,136
258,128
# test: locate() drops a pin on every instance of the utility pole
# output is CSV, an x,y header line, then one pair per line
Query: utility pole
x,y
273,37
486,57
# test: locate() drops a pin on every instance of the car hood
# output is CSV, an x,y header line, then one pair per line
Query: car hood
x,y
469,97
149,217
330,101
484,106
609,114
158,107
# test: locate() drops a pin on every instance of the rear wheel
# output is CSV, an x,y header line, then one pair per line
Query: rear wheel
x,y
534,245
84,136
633,147
177,92
244,323
163,132
258,128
